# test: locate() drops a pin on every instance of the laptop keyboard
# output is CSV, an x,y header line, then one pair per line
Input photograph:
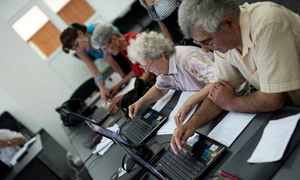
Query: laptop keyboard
x,y
180,166
100,114
137,131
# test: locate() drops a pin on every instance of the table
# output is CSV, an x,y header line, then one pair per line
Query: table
x,y
102,167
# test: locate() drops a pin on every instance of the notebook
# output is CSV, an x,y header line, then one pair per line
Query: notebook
x,y
144,126
202,153
153,118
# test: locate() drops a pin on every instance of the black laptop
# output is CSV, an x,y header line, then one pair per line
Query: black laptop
x,y
152,121
144,126
202,153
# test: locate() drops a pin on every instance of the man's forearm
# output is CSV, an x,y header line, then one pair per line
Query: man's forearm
x,y
206,112
257,102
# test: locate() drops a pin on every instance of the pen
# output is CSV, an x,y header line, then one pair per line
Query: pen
x,y
225,174
115,121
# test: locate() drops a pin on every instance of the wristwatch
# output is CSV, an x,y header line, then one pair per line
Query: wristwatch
x,y
8,143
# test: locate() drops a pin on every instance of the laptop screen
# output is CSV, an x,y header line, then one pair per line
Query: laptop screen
x,y
101,130
151,117
141,161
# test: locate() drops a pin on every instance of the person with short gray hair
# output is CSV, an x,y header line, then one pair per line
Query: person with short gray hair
x,y
108,39
258,43
184,68
102,35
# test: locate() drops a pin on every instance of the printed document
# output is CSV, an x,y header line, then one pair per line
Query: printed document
x,y
274,140
230,127
170,126
163,101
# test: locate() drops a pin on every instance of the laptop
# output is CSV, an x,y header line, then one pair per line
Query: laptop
x,y
202,153
144,126
139,131
100,115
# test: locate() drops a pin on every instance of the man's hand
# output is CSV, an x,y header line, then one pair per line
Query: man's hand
x,y
134,108
180,136
222,94
181,113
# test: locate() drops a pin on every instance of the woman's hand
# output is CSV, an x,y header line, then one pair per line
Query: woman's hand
x,y
114,90
113,107
104,94
181,113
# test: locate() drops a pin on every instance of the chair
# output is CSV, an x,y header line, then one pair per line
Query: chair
x,y
85,90
7,121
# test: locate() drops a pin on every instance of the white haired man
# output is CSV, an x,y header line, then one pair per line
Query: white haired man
x,y
256,42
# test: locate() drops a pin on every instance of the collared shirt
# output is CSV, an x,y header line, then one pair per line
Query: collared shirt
x,y
271,51
190,69
6,153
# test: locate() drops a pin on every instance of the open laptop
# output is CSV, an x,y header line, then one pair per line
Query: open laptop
x,y
139,132
144,126
202,153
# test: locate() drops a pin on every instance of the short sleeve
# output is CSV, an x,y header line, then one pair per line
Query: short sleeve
x,y
226,71
277,58
162,82
202,68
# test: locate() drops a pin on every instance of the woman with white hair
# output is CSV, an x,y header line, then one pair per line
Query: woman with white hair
x,y
185,68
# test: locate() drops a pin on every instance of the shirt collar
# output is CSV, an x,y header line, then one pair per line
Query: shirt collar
x,y
245,29
172,64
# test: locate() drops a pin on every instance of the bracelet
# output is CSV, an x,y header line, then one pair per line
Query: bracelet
x,y
100,78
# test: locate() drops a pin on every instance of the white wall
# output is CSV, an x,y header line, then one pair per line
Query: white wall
x,y
31,88
31,84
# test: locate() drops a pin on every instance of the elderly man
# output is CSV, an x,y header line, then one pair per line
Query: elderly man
x,y
9,140
257,42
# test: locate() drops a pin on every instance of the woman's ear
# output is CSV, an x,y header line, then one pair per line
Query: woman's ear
x,y
80,33
164,57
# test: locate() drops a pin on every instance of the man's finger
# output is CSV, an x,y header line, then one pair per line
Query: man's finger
x,y
225,83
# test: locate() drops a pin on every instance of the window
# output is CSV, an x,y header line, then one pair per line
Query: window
x,y
36,28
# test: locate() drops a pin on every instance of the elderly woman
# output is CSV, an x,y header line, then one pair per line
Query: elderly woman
x,y
112,41
185,68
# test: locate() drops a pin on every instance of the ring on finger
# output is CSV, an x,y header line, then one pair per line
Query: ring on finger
x,y
178,115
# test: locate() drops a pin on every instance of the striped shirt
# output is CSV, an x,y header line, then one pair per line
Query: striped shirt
x,y
190,69
271,50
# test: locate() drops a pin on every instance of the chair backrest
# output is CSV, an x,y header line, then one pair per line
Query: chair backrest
x,y
85,90
7,121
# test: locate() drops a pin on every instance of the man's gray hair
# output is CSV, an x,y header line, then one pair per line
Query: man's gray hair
x,y
149,45
207,14
102,35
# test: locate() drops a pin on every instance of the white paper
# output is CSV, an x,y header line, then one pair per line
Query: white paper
x,y
163,101
274,140
230,127
129,87
21,151
170,126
